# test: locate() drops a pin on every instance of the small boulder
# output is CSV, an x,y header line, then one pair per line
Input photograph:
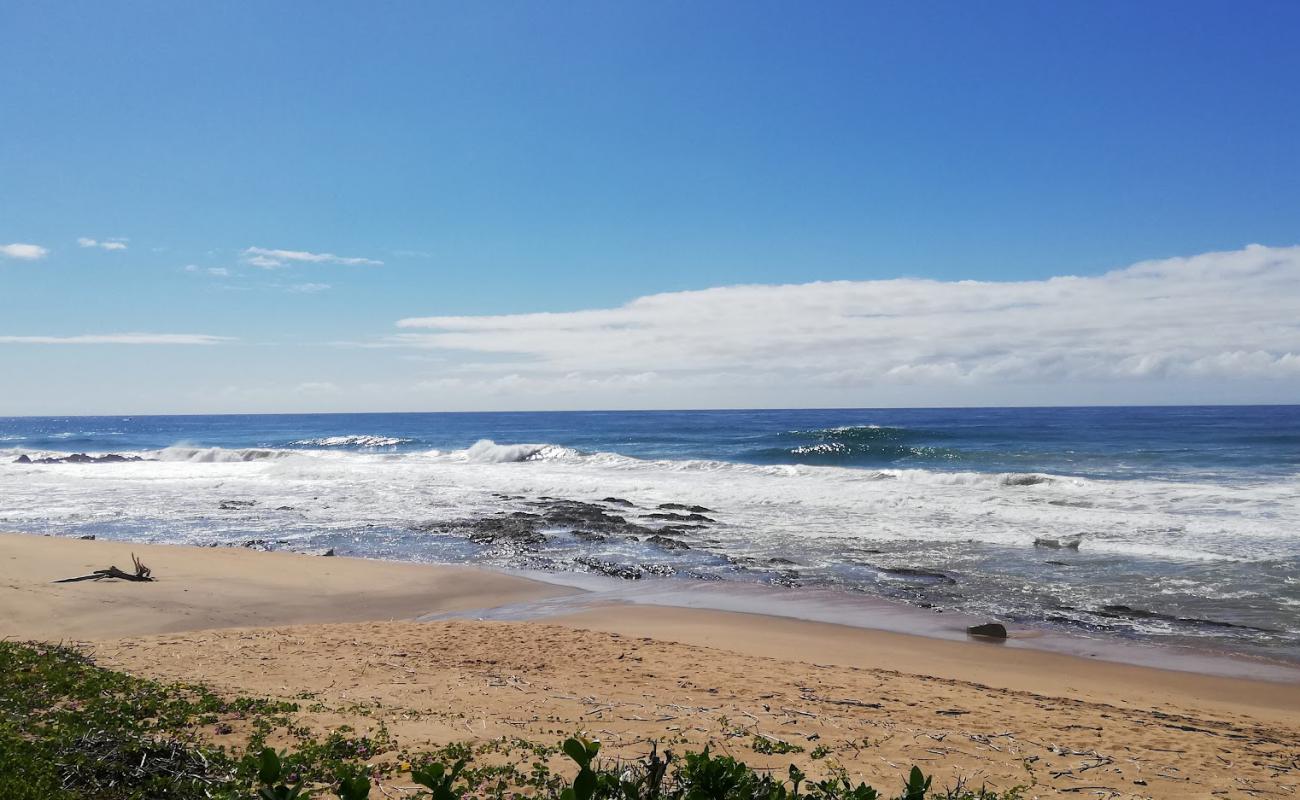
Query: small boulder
x,y
992,630
328,553
23,459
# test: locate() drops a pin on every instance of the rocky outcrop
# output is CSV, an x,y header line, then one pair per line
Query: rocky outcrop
x,y
78,458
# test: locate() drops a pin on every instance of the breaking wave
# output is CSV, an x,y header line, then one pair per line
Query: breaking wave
x,y
358,440
486,451
198,455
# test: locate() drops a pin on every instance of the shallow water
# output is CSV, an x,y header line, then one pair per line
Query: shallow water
x,y
1185,522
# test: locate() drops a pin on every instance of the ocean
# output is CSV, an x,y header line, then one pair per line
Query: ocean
x,y
1178,525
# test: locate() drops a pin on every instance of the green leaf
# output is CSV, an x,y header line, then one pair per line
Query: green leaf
x,y
429,777
917,785
576,750
269,766
584,786
356,787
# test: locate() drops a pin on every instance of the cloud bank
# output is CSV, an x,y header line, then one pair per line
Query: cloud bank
x,y
1215,316
121,338
274,259
23,252
116,243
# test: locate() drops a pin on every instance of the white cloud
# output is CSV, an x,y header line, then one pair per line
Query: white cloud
x,y
121,338
23,252
216,272
309,288
1215,316
115,243
273,259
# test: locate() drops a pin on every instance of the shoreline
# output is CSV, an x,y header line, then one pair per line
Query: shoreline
x,y
516,595
217,587
872,614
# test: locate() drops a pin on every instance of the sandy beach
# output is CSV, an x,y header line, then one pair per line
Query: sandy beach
x,y
340,629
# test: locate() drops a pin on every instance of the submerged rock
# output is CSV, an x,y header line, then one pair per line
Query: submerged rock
x,y
617,501
925,574
1024,479
1064,543
1127,612
667,543
236,505
627,573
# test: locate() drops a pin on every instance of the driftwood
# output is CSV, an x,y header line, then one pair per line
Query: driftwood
x,y
142,573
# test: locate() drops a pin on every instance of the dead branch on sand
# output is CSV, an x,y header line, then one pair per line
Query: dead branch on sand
x,y
142,573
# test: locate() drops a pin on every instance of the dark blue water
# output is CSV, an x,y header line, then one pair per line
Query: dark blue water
x,y
1176,443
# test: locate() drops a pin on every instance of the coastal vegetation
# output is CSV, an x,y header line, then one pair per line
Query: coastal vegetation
x,y
70,729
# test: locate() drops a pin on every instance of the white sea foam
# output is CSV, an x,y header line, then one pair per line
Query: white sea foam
x,y
486,451
762,506
358,440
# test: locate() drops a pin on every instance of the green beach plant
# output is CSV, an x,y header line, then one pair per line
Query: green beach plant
x,y
71,730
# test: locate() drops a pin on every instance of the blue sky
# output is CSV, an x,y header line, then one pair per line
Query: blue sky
x,y
507,159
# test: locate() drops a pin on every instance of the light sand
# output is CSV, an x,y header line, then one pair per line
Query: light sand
x,y
1057,724
223,587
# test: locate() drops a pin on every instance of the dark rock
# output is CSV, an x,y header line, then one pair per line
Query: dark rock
x,y
285,508
779,561
692,517
90,537
79,458
328,553
627,573
589,536
681,507
1057,563
668,544
681,529
236,505
617,501
992,630
527,530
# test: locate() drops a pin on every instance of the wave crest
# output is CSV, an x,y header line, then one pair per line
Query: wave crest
x,y
205,455
355,440
486,451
